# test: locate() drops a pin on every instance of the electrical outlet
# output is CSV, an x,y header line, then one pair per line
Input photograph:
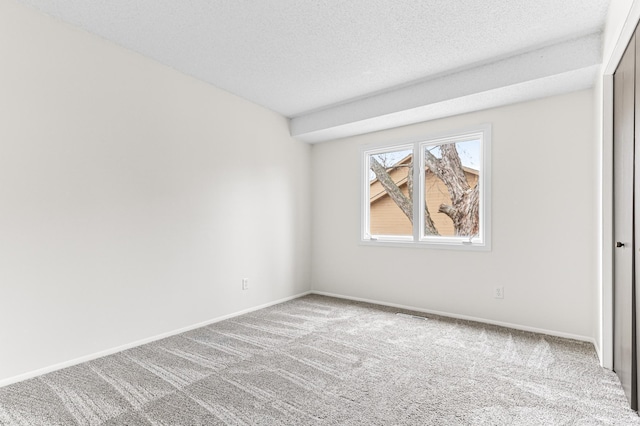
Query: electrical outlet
x,y
498,292
245,283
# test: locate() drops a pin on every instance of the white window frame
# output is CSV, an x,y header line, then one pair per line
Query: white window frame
x,y
481,242
366,186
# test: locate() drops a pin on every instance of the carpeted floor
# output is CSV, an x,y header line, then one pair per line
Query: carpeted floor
x,y
323,361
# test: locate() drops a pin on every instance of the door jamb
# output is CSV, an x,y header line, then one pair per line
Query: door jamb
x,y
606,190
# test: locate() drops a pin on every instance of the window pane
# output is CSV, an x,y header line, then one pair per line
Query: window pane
x,y
451,177
390,195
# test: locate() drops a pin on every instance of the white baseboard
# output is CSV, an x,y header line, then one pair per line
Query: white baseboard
x,y
598,352
469,318
90,357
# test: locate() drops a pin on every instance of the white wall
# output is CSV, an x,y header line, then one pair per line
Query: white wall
x,y
544,243
133,199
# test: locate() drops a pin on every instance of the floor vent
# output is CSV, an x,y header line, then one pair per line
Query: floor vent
x,y
412,316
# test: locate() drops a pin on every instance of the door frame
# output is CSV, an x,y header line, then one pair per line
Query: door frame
x,y
605,234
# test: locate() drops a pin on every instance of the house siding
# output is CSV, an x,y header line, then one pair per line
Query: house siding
x,y
386,218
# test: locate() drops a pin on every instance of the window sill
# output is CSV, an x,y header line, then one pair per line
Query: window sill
x,y
448,245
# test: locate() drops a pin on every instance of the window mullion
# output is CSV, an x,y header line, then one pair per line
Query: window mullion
x,y
418,185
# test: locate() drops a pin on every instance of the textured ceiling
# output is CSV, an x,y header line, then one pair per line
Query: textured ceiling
x,y
300,56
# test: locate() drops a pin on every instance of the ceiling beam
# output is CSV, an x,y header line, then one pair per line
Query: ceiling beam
x,y
559,68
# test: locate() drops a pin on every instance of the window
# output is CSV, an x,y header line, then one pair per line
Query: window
x,y
441,200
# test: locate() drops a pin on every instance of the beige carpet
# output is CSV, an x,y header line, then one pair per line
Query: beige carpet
x,y
323,361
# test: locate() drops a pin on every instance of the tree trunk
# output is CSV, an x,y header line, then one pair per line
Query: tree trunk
x,y
465,213
465,201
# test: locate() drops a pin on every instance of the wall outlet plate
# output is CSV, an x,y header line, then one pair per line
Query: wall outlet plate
x,y
498,292
245,283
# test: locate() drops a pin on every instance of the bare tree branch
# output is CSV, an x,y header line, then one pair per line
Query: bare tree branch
x,y
429,226
402,201
392,189
448,169
464,207
432,162
448,210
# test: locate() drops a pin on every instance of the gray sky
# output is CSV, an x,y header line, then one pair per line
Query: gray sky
x,y
468,151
